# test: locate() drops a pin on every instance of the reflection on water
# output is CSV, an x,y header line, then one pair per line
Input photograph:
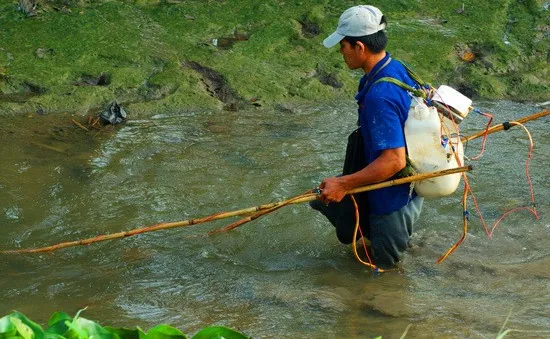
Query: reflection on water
x,y
284,275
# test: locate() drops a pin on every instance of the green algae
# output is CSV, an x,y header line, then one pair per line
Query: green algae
x,y
272,53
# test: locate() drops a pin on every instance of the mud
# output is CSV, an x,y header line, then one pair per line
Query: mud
x,y
216,85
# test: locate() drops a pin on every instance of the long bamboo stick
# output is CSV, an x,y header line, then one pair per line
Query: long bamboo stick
x,y
500,127
222,215
258,214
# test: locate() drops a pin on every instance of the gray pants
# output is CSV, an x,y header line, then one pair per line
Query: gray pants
x,y
389,234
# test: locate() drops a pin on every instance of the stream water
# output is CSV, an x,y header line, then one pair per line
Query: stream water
x,y
281,276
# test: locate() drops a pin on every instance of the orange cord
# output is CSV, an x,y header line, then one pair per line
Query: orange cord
x,y
531,191
468,189
354,242
484,141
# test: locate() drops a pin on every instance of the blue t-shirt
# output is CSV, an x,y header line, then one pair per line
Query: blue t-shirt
x,y
383,109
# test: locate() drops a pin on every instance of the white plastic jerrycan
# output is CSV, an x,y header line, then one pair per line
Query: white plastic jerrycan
x,y
429,153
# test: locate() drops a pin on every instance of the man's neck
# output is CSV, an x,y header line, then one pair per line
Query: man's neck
x,y
372,60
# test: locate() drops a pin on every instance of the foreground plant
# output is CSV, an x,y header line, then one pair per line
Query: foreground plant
x,y
17,326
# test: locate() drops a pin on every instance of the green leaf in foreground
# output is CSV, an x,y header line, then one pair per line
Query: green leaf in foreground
x,y
24,331
62,326
163,332
126,333
218,332
7,328
19,326
93,329
57,317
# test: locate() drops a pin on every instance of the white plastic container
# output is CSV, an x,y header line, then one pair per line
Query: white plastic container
x,y
427,154
448,125
451,103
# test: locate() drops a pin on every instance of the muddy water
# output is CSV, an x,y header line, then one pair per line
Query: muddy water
x,y
283,276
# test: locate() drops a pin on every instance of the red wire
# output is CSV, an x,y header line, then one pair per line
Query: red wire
x,y
532,193
505,214
468,188
532,210
484,136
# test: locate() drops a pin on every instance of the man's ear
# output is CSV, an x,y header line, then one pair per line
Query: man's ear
x,y
361,46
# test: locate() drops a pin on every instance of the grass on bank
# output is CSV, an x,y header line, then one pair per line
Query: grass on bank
x,y
48,59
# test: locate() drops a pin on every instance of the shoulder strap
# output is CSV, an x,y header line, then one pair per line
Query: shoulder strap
x,y
416,91
419,92
413,75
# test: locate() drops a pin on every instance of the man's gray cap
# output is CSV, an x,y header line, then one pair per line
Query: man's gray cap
x,y
356,21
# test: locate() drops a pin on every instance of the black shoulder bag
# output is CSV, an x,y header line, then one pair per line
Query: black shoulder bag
x,y
354,161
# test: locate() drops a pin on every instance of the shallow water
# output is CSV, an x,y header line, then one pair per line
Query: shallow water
x,y
284,275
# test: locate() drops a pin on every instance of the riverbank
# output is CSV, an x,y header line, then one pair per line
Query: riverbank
x,y
168,55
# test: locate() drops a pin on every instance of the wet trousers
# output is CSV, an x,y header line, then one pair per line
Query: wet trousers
x,y
389,234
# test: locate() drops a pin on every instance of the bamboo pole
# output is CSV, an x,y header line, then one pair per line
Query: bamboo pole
x,y
258,214
222,215
298,199
500,127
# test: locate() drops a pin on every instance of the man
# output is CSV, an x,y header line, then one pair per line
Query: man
x,y
383,109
